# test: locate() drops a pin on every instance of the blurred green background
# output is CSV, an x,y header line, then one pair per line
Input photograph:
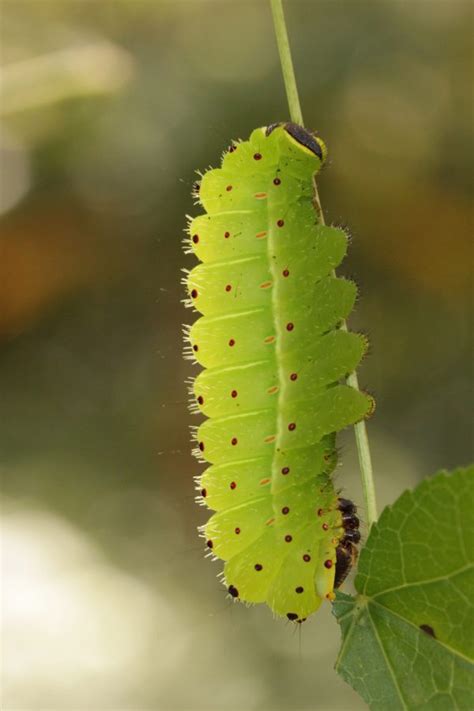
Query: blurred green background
x,y
107,109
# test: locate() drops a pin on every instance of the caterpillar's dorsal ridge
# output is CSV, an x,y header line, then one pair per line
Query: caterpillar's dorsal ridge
x,y
274,360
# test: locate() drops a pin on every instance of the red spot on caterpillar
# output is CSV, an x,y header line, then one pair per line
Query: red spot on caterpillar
x,y
201,446
299,589
292,426
257,566
280,223
261,235
266,285
274,389
276,181
231,342
264,481
209,544
237,531
232,484
200,400
203,493
260,196
233,591
270,522
285,510
228,287
269,439
226,235
233,393
233,441
328,564
269,339
285,470
195,239
194,293
286,272
294,376
325,526
290,326
306,558
229,188
257,156
288,538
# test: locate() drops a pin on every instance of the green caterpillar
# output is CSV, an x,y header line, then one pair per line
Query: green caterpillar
x,y
274,355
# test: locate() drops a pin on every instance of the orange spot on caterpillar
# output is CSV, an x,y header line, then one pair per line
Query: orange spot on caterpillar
x,y
234,393
228,287
260,196
330,596
261,235
266,285
269,439
232,485
269,339
270,522
264,481
274,389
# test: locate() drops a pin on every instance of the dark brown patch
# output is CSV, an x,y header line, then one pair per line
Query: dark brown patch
x,y
292,616
233,591
258,567
303,136
429,630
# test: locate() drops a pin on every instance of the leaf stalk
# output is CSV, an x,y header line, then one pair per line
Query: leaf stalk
x,y
289,79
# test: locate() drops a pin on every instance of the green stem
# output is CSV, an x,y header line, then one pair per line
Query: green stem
x,y
360,430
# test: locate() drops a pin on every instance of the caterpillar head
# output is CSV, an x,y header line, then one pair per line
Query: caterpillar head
x,y
308,141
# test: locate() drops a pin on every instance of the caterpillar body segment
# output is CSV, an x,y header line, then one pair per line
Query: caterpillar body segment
x,y
274,355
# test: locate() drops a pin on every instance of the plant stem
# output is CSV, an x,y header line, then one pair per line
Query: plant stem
x,y
360,430
286,62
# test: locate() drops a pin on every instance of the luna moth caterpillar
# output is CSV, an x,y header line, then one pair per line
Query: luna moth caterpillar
x,y
274,357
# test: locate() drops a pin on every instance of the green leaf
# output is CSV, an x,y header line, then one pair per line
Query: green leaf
x,y
408,636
